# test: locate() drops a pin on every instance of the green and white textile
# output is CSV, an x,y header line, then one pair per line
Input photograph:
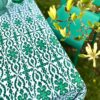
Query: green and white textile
x,y
33,64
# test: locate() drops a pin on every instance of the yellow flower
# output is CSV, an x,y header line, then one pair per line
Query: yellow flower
x,y
73,17
52,12
56,25
94,80
92,54
64,33
98,30
69,5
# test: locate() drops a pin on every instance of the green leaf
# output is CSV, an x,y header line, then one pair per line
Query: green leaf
x,y
98,30
90,24
85,1
82,55
56,25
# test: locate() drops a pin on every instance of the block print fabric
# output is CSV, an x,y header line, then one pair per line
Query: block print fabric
x,y
33,65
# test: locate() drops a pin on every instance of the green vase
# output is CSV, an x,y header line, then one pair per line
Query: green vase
x,y
17,1
3,4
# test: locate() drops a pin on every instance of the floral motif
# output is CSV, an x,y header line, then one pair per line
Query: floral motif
x,y
39,17
61,86
12,54
41,45
18,22
5,25
53,40
24,97
29,20
27,49
76,78
43,93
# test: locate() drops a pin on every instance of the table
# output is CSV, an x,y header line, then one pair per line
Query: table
x,y
33,64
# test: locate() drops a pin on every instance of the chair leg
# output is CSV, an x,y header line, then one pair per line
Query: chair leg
x,y
94,38
76,57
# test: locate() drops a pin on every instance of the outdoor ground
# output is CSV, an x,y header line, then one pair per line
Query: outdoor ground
x,y
84,66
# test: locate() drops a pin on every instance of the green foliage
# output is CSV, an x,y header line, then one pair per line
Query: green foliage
x,y
95,27
83,5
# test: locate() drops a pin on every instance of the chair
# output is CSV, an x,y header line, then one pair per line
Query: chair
x,y
74,27
63,2
96,2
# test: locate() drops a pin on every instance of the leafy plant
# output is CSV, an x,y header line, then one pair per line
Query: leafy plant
x,y
83,5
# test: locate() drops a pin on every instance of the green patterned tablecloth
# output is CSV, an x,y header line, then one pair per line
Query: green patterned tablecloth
x,y
33,64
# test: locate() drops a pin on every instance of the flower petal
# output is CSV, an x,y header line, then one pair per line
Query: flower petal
x,y
94,63
98,53
95,48
88,49
63,31
52,12
90,58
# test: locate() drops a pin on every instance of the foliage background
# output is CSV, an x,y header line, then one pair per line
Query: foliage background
x,y
84,66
